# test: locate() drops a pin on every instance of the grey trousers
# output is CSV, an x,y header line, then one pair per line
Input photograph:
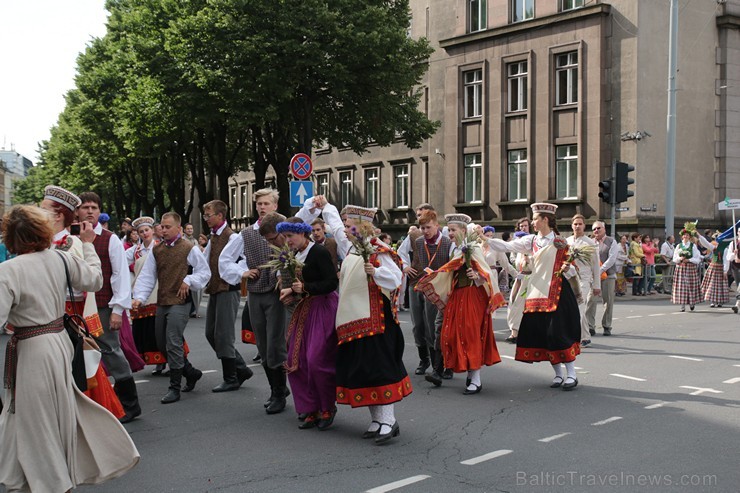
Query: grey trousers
x,y
423,316
195,305
607,298
169,326
268,317
115,362
220,325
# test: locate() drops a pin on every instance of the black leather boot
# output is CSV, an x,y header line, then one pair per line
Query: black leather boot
x,y
126,392
192,375
173,393
423,360
271,381
230,381
436,376
243,374
277,405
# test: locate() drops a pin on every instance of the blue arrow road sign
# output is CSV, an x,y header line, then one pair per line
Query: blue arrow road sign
x,y
299,192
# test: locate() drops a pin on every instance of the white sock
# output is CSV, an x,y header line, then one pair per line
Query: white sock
x,y
558,370
571,369
375,416
387,418
474,376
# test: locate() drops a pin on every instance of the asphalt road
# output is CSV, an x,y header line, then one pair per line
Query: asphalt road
x,y
657,409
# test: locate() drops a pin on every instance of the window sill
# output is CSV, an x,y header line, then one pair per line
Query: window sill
x,y
470,205
566,201
472,119
516,113
567,106
510,203
399,209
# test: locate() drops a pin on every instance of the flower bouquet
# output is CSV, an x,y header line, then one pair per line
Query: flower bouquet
x,y
283,258
467,243
362,245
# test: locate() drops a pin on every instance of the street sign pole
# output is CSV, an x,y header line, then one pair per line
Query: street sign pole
x,y
613,225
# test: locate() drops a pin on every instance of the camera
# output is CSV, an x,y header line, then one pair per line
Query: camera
x,y
74,229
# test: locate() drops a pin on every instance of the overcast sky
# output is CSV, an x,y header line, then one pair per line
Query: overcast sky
x,y
40,41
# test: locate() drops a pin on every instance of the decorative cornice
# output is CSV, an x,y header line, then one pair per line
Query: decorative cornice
x,y
600,9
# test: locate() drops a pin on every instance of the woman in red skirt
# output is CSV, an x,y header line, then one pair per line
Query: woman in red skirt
x,y
467,290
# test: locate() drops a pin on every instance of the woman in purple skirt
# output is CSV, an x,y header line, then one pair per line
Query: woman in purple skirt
x,y
312,341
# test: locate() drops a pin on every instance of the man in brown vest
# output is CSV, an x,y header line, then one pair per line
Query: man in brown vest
x,y
223,300
112,299
319,237
168,267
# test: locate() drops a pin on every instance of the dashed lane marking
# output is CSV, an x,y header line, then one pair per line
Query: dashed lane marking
x,y
554,437
732,380
685,357
398,484
656,406
619,375
656,315
485,457
141,381
210,371
606,421
507,357
701,390
621,350
634,316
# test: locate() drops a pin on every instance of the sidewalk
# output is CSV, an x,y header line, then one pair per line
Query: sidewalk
x,y
628,297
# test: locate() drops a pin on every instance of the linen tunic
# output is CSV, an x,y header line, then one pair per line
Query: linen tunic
x,y
57,438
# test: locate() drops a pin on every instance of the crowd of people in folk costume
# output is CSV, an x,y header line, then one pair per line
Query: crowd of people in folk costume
x,y
323,290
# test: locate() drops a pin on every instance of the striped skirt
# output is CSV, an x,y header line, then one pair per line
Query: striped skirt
x,y
714,285
686,288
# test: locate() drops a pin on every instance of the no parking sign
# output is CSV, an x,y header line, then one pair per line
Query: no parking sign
x,y
301,166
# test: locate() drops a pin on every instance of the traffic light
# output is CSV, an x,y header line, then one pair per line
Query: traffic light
x,y
607,191
623,181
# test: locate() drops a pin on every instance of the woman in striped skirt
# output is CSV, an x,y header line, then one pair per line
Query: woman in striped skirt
x,y
686,278
714,285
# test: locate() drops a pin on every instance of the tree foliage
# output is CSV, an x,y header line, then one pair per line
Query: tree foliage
x,y
180,95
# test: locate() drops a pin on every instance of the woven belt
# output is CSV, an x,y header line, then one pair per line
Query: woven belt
x,y
11,351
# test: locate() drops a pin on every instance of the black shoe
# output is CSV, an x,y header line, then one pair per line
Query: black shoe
x,y
384,437
691,307
372,434
243,374
477,389
570,383
592,332
230,383
434,378
310,422
422,368
510,340
586,343
172,395
556,382
192,375
302,416
734,309
257,358
326,419
447,374
126,392
607,331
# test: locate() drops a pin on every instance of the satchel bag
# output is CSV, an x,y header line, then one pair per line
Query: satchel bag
x,y
87,349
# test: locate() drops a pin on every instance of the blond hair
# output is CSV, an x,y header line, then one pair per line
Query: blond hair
x,y
269,192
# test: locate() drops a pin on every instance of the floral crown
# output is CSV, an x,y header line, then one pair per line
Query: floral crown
x,y
520,234
297,228
489,229
689,228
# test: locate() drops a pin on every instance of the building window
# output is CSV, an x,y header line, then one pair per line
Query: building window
x,y
244,209
566,171
473,81
401,186
522,10
477,15
570,4
473,181
232,201
345,188
518,174
517,75
566,78
322,184
372,189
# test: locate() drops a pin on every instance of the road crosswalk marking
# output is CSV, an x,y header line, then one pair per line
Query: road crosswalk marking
x,y
485,457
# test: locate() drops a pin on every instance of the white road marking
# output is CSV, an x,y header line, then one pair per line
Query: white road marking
x,y
501,331
685,357
737,366
256,365
620,350
398,484
732,380
619,375
635,316
700,390
210,371
554,437
609,420
656,315
578,368
507,357
141,381
485,457
677,313
656,406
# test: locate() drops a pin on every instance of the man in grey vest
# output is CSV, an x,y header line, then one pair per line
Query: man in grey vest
x,y
223,299
608,251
